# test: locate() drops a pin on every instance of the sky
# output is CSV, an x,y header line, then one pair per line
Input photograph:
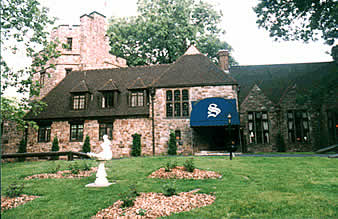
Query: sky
x,y
252,46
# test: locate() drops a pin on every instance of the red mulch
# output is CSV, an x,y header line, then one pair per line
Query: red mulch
x,y
153,205
62,174
7,203
180,173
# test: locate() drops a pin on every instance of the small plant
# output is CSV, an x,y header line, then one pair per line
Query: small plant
x,y
141,212
86,145
189,165
55,147
129,197
170,165
54,169
169,189
74,168
85,166
14,190
172,147
136,148
22,149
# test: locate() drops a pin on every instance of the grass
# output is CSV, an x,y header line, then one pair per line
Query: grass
x,y
251,187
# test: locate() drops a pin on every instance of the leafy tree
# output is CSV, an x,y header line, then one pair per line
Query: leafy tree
x,y
23,30
299,19
172,148
164,29
86,145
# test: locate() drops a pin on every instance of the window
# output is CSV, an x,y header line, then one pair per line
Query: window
x,y
68,70
69,43
44,133
298,126
79,102
42,77
258,127
332,124
76,132
107,99
136,98
106,129
177,105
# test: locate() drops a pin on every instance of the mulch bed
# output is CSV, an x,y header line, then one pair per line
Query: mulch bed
x,y
63,174
180,173
7,203
153,205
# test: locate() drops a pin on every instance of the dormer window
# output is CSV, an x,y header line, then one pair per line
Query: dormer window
x,y
136,98
79,101
108,99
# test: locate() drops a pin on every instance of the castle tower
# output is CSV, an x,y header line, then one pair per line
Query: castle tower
x,y
87,48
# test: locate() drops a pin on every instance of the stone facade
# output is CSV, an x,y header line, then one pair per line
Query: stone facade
x,y
89,50
10,137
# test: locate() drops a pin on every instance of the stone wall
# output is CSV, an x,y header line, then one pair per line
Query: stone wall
x,y
164,125
10,137
257,101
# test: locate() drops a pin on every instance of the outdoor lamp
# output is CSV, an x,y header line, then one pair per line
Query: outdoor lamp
x,y
229,118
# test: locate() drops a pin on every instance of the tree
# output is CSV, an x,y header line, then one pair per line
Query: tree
x,y
55,144
136,148
164,29
172,147
86,145
22,148
299,19
23,30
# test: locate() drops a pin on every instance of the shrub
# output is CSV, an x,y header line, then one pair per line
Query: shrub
x,y
172,147
189,165
55,147
85,166
74,168
129,197
54,169
169,189
280,144
14,190
170,165
86,145
22,149
136,149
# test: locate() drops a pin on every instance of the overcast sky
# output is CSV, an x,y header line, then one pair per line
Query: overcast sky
x,y
252,46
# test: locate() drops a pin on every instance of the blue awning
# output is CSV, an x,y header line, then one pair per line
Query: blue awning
x,y
214,112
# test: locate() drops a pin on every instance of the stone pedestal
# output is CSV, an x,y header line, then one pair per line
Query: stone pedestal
x,y
101,180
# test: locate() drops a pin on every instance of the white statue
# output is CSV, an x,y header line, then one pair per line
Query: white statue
x,y
102,157
106,153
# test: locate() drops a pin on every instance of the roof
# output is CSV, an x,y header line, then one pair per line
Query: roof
x,y
193,69
189,70
274,80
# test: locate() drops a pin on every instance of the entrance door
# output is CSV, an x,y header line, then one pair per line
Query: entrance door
x,y
214,138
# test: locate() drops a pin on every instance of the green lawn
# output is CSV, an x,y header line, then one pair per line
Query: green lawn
x,y
251,187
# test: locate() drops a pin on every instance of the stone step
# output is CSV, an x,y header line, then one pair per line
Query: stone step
x,y
215,153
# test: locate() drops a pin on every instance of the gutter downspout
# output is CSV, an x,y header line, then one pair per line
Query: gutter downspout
x,y
152,94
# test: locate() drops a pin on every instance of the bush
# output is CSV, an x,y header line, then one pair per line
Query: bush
x,y
74,168
55,144
169,166
172,148
280,144
129,197
189,165
86,145
136,149
14,190
169,189
22,149
54,169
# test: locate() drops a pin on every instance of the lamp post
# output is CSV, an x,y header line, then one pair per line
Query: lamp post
x,y
229,132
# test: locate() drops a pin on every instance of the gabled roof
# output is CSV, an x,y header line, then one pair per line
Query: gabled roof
x,y
81,87
193,69
137,84
109,86
275,79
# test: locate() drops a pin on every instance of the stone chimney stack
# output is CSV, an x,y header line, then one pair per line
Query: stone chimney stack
x,y
223,60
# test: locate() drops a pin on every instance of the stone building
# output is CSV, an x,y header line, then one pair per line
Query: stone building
x,y
273,102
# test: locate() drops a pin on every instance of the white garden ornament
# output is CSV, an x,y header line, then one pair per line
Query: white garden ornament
x,y
102,157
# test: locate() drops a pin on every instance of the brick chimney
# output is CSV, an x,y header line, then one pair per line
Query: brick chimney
x,y
223,60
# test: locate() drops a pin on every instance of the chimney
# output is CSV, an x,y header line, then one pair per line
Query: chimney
x,y
223,60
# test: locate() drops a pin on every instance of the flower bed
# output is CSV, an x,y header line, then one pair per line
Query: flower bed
x,y
180,173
